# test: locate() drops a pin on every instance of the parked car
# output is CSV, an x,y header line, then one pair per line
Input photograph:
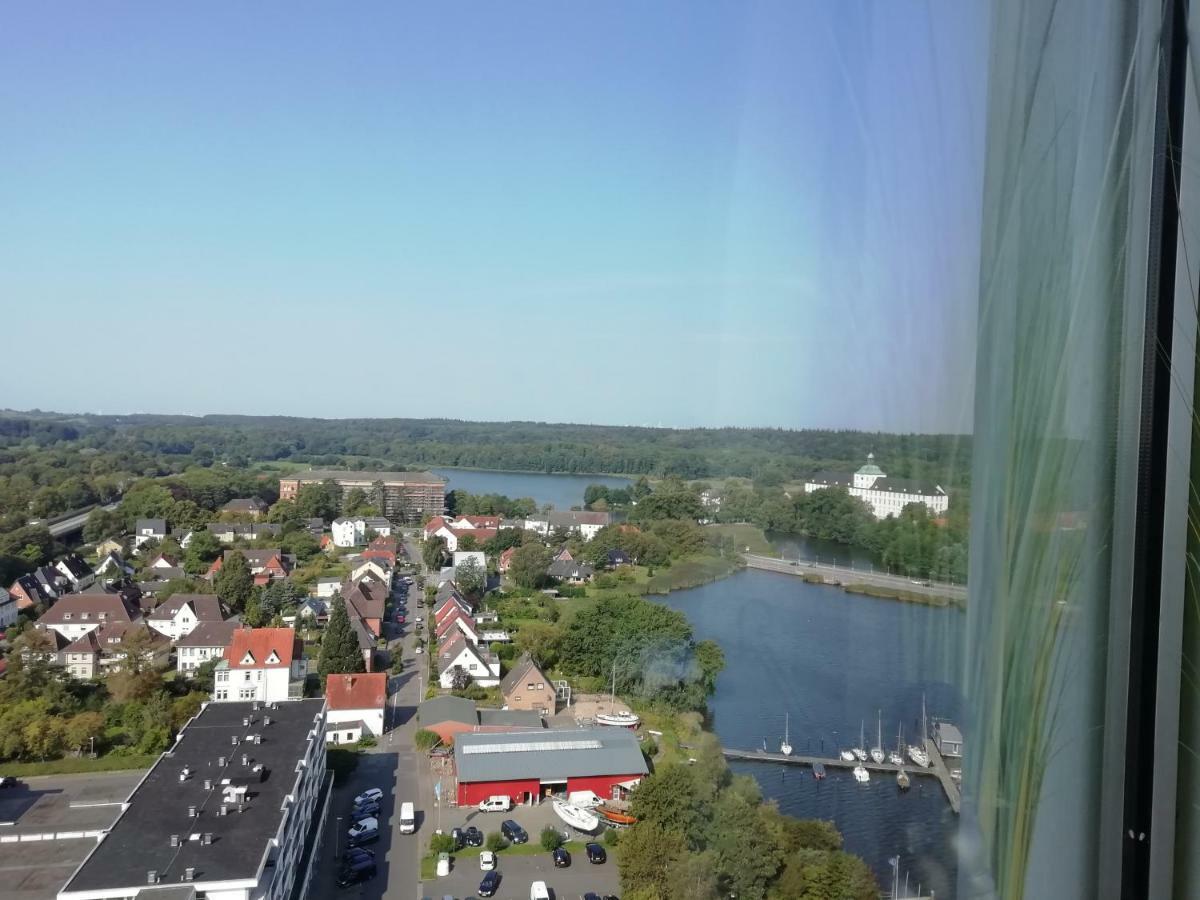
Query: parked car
x,y
539,891
361,815
514,832
490,884
443,865
356,853
7,781
500,803
418,651
595,853
372,805
369,794
562,858
356,873
458,837
473,836
487,861
364,832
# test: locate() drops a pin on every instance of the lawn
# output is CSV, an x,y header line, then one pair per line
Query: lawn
x,y
745,535
690,572
78,764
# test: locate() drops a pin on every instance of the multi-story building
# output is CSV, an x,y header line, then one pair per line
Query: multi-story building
x,y
208,640
885,495
260,664
406,496
235,810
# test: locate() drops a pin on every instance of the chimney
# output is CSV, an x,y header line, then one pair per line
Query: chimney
x,y
151,877
233,739
223,811
266,720
208,784
206,838
191,812
221,762
245,760
174,840
189,874
245,721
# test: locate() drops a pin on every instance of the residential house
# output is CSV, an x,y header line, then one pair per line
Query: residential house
x,y
459,654
315,526
163,574
260,664
327,587
366,600
179,614
183,537
355,706
311,611
619,558
563,555
208,640
527,687
384,548
246,506
443,528
469,522
351,531
102,652
376,567
30,592
585,523
456,620
148,530
112,565
228,532
505,560
449,602
366,642
447,716
571,572
109,545
76,614
76,571
9,609
265,565
163,561
53,582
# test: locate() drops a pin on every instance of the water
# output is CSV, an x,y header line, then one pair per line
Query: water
x,y
831,660
794,546
560,491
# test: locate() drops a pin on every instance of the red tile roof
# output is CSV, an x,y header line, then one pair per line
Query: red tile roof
x,y
263,644
356,691
480,534
483,521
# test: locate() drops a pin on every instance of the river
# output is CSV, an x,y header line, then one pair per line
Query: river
x,y
831,660
559,491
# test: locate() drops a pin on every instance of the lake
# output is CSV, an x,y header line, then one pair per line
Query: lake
x,y
560,491
832,660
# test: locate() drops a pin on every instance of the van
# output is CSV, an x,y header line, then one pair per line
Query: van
x,y
408,818
356,873
539,891
501,803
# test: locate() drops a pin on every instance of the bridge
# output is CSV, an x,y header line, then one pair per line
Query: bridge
x,y
843,575
70,522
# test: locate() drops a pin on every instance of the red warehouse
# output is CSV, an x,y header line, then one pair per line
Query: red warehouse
x,y
532,765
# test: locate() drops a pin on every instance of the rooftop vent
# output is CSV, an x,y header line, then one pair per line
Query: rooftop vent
x,y
258,739
245,721
233,739
208,784
174,840
206,838
221,761
191,812
151,877
266,720
189,874
223,810
245,760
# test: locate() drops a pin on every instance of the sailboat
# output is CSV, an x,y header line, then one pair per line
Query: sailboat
x,y
859,753
877,754
784,747
918,753
902,780
861,775
896,757
848,755
622,719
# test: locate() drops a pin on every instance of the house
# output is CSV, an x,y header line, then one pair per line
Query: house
x,y
149,530
949,739
109,545
163,574
228,532
505,560
208,640
30,592
102,652
315,526
585,523
176,616
366,600
459,655
447,716
260,664
76,571
183,537
571,572
366,642
245,506
618,558
887,496
53,582
163,561
312,611
327,587
433,526
452,534
469,522
449,602
534,764
376,567
456,620
527,687
476,556
264,767
9,609
354,706
351,531
265,565
76,614
112,565
563,555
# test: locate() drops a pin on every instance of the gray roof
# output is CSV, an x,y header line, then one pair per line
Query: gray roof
x,y
447,709
139,840
159,526
569,568
547,755
907,486
209,634
572,518
948,732
517,718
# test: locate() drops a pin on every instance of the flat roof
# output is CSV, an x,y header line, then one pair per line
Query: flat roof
x,y
364,477
140,840
547,755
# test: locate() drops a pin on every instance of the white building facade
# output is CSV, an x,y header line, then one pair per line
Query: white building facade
x,y
886,496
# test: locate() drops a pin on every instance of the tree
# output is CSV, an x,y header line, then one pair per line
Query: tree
x,y
319,500
82,730
468,542
647,857
234,583
528,566
100,524
495,842
541,640
674,800
471,578
425,740
339,645
45,737
433,553
356,501
551,839
201,550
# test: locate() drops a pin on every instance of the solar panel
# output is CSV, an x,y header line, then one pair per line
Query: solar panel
x,y
525,746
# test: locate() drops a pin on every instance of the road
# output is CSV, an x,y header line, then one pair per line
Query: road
x,y
75,521
854,576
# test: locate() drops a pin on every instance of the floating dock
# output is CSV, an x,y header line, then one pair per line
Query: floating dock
x,y
936,768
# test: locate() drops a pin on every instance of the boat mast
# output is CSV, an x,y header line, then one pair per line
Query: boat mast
x,y
612,700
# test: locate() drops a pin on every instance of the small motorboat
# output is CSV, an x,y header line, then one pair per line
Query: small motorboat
x,y
819,771
902,780
861,775
579,819
615,815
619,719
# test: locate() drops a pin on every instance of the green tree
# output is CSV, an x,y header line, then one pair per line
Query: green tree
x,y
648,856
468,542
319,500
433,553
675,801
495,842
101,524
541,640
202,549
82,730
339,646
471,578
234,583
356,501
528,566
550,839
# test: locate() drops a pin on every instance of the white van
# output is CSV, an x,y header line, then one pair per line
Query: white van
x,y
408,818
500,803
539,891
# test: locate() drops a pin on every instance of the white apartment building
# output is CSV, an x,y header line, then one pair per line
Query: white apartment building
x,y
885,495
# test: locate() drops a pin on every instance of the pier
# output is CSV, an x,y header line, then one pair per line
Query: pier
x,y
936,769
841,575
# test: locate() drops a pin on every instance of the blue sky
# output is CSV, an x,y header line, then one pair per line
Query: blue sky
x,y
630,213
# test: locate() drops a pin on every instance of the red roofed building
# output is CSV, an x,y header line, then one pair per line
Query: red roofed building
x,y
354,706
463,522
260,664
506,559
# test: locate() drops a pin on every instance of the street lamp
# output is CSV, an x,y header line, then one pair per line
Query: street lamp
x,y
337,839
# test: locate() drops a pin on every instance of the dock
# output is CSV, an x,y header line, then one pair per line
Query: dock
x,y
936,769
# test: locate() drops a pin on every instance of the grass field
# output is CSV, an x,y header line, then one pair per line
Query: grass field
x,y
745,536
691,572
73,765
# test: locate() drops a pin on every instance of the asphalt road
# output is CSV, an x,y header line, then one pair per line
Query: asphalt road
x,y
854,576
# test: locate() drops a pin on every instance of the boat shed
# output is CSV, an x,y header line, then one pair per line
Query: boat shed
x,y
948,738
529,766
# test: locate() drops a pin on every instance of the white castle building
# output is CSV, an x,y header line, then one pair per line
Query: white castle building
x,y
886,496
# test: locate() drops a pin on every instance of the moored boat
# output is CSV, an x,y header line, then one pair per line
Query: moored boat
x,y
819,771
861,775
785,746
615,815
877,754
902,780
859,753
619,719
579,819
917,752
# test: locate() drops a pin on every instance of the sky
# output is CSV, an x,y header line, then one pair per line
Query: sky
x,y
672,213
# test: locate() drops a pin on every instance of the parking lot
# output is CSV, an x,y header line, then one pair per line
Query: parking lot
x,y
47,827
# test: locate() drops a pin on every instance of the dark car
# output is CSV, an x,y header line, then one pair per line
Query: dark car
x,y
460,840
490,884
363,810
359,814
357,854
473,836
591,895
561,857
513,832
595,853
7,781
356,873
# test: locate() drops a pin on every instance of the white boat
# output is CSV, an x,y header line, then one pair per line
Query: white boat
x,y
848,755
579,819
877,754
902,780
896,757
621,719
917,753
784,747
861,775
859,753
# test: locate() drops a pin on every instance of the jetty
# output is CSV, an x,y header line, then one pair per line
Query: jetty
x,y
936,769
844,576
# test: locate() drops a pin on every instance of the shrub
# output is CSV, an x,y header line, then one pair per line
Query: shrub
x,y
495,842
367,740
442,843
612,837
425,740
551,839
